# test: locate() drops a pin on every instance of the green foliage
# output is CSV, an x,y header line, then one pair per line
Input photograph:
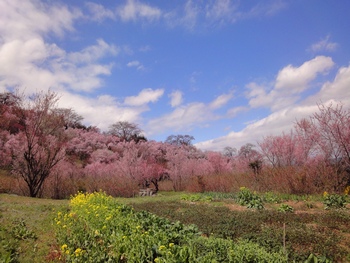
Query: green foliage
x,y
285,208
99,229
220,196
271,197
20,231
318,233
9,240
26,233
314,259
250,200
196,197
8,247
334,201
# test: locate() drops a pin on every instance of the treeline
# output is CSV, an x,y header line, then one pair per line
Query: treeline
x,y
47,151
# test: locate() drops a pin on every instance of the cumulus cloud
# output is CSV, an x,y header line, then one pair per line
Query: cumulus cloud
x,y
30,62
283,119
100,111
145,96
35,64
337,90
30,19
297,78
175,98
289,84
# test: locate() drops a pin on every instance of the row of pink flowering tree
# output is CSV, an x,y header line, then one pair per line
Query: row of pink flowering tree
x,y
51,153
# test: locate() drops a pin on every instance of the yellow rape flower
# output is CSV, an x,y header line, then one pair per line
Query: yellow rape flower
x,y
78,252
162,247
171,244
325,194
64,247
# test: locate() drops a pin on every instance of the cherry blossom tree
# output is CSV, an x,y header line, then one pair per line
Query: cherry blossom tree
x,y
126,131
40,146
328,131
280,150
179,139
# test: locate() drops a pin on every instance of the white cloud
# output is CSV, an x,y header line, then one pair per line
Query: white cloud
x,y
283,119
324,45
134,10
93,53
101,111
274,124
296,79
176,98
37,65
145,96
220,101
30,62
135,64
289,84
265,8
186,117
29,19
99,12
221,10
337,90
234,111
182,118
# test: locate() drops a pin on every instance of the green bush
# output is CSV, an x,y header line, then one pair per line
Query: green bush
x,y
250,200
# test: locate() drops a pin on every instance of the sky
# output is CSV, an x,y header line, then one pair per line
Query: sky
x,y
225,72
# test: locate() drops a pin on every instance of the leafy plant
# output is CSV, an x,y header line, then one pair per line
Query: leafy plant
x,y
21,232
334,201
285,208
271,197
196,197
250,200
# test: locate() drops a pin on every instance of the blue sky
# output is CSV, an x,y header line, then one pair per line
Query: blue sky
x,y
226,72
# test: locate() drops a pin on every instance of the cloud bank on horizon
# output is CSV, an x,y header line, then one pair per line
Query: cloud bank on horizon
x,y
226,72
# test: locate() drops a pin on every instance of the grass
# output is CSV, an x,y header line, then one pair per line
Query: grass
x,y
27,235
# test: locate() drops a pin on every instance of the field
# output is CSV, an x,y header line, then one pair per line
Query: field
x,y
33,230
